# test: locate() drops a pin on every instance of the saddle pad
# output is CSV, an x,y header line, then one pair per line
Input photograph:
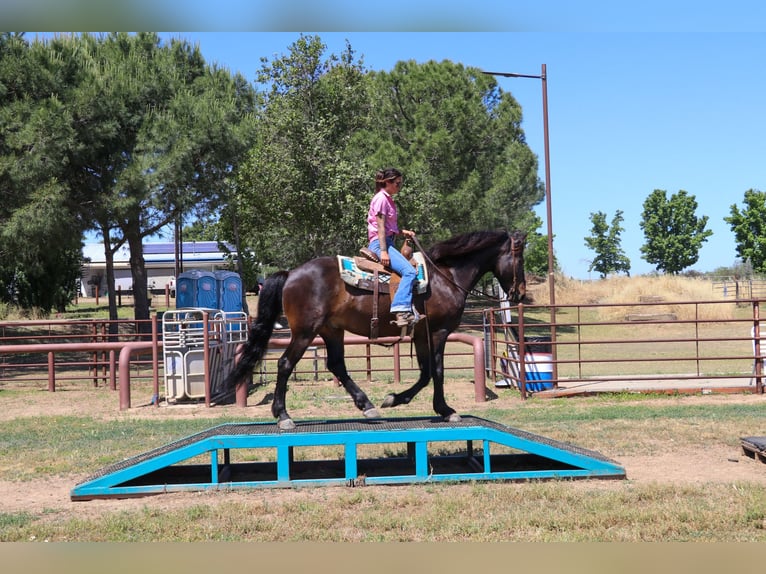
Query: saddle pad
x,y
352,274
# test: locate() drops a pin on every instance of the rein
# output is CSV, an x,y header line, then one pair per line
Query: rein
x,y
450,280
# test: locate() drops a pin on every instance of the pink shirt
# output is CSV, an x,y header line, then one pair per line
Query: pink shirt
x,y
383,203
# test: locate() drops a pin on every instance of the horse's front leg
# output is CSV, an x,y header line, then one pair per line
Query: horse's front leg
x,y
431,362
440,403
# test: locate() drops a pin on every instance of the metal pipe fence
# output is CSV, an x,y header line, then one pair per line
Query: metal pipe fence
x,y
83,353
677,346
714,345
56,351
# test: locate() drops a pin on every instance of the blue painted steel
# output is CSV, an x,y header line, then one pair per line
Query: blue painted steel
x,y
552,459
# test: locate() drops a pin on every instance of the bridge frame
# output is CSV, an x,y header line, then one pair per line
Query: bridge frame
x,y
526,456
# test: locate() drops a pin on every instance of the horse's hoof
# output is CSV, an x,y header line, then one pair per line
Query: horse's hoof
x,y
388,402
372,413
286,424
454,418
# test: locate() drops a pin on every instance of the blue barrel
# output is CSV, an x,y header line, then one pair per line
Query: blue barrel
x,y
538,371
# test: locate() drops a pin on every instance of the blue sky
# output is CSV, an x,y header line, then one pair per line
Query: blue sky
x,y
641,96
628,113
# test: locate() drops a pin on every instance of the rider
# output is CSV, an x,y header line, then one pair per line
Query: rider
x,y
382,224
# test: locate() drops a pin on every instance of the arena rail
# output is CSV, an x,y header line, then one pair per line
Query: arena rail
x,y
477,344
709,346
117,370
480,387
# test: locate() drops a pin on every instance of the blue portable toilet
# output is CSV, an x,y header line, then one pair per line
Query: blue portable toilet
x,y
207,290
196,288
229,291
186,290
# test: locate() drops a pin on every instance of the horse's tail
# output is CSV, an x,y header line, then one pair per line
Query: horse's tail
x,y
269,310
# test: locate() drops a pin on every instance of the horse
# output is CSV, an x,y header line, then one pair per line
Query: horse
x,y
316,301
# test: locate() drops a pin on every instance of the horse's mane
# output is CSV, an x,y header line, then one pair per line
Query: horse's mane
x,y
465,244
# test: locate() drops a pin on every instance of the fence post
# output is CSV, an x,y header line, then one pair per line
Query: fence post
x,y
758,371
112,371
397,366
155,362
51,372
206,354
522,353
368,349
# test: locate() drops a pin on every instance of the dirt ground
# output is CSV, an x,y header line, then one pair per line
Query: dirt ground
x,y
677,465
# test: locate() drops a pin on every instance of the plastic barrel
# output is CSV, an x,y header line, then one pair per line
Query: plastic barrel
x,y
538,371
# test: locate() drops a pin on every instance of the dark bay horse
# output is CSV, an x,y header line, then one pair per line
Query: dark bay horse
x,y
316,301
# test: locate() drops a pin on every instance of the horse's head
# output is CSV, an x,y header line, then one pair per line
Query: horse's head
x,y
509,268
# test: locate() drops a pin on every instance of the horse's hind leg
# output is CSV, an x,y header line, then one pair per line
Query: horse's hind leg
x,y
336,364
285,366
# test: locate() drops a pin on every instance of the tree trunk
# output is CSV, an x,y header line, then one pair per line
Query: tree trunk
x,y
138,272
111,295
240,264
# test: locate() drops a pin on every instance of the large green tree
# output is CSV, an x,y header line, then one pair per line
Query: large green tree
x,y
457,137
673,232
118,133
153,133
605,241
329,125
302,193
40,227
749,227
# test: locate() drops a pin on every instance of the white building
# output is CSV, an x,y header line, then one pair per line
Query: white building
x,y
159,259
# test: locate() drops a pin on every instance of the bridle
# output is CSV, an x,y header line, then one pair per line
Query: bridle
x,y
516,249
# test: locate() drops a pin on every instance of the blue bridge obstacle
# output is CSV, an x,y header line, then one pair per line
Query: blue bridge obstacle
x,y
355,452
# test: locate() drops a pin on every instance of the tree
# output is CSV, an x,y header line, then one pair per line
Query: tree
x,y
536,250
457,138
329,125
605,241
749,228
154,134
302,193
40,229
674,234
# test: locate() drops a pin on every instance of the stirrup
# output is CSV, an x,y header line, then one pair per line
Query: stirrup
x,y
406,319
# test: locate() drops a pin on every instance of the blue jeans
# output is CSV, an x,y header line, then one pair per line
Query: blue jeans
x,y
403,299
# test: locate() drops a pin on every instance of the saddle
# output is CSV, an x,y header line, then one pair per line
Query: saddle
x,y
366,272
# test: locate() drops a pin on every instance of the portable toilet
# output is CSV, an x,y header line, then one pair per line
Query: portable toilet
x,y
229,291
207,290
186,290
196,288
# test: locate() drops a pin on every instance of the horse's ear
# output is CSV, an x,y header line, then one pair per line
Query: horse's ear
x,y
519,236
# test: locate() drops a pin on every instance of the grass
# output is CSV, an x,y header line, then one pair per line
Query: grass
x,y
71,446
536,512
622,425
